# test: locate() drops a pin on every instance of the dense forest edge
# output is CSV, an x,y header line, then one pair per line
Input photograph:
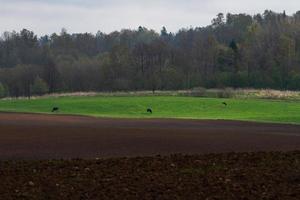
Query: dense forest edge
x,y
236,50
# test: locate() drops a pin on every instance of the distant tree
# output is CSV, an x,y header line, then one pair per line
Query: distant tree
x,y
50,73
163,32
239,50
219,20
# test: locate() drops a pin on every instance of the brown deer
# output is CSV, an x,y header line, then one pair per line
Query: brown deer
x,y
149,110
55,109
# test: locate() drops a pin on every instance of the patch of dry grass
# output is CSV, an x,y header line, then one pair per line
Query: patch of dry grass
x,y
195,92
272,94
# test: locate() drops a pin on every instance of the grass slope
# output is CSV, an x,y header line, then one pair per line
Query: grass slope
x,y
163,107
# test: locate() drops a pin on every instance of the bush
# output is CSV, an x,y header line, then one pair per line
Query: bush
x,y
3,91
198,92
39,87
294,82
225,93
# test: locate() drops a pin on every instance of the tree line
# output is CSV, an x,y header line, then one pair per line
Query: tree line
x,y
236,50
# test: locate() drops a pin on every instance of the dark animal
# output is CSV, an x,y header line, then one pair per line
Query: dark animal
x,y
224,103
149,110
55,109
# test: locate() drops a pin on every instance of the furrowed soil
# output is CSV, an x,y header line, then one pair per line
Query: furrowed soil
x,y
214,176
119,159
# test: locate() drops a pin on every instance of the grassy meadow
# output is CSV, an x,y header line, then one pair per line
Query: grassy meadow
x,y
262,110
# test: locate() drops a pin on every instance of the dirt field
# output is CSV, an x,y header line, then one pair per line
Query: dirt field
x,y
32,136
222,176
41,138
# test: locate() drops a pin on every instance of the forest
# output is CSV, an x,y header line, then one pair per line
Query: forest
x,y
235,50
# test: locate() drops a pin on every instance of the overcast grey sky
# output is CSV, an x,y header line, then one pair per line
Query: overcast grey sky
x,y
48,16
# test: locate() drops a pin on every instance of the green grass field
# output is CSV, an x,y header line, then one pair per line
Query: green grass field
x,y
163,107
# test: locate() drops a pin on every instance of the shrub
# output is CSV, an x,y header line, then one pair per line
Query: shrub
x,y
294,82
198,92
3,91
226,93
39,87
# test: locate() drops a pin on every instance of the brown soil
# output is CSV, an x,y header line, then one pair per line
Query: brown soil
x,y
222,176
33,136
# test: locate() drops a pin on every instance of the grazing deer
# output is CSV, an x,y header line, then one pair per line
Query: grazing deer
x,y
149,110
224,103
55,109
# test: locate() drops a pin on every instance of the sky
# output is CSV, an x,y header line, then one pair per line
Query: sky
x,y
49,16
